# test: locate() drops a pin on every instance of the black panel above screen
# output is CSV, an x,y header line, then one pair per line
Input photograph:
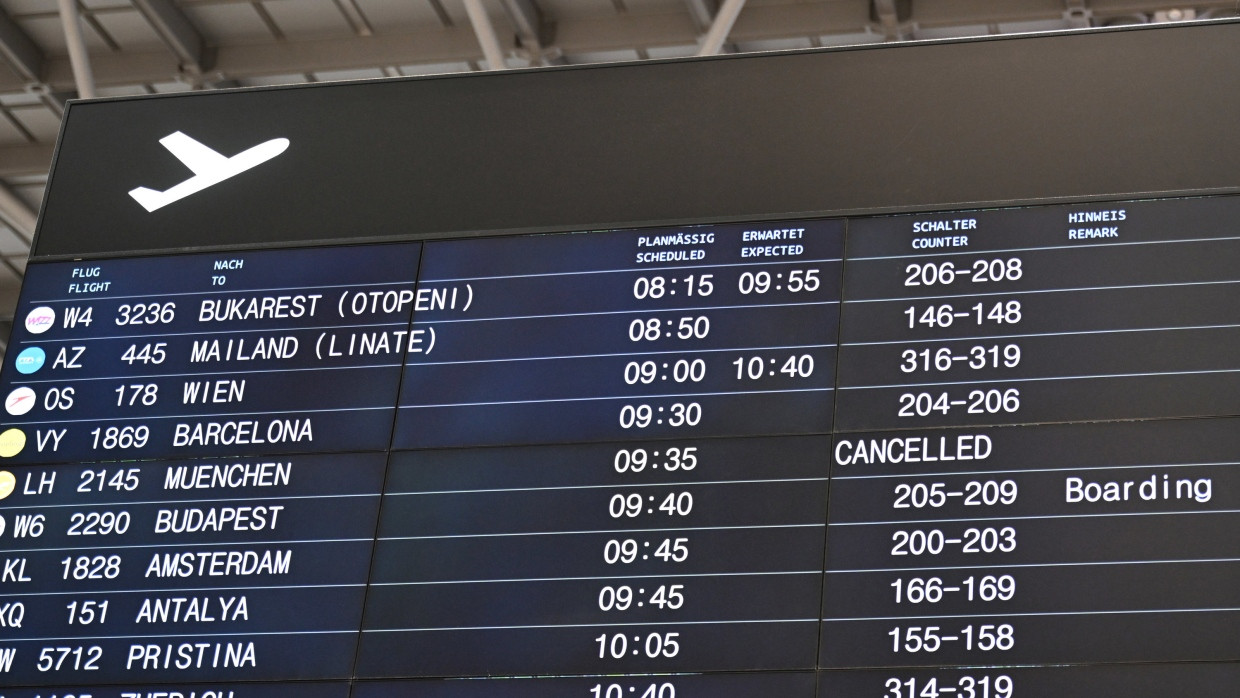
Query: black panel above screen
x,y
781,135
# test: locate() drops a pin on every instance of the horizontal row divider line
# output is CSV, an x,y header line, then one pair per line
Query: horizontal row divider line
x,y
198,333
215,292
670,575
1017,292
623,353
233,634
655,396
1019,565
177,502
1100,376
1122,330
1083,468
594,625
71,381
604,531
181,590
1006,250
1032,517
631,311
213,544
236,415
1031,614
612,486
687,267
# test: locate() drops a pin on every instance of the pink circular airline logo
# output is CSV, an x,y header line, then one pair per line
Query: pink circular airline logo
x,y
40,320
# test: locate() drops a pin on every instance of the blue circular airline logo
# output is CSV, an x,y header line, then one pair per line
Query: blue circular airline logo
x,y
30,360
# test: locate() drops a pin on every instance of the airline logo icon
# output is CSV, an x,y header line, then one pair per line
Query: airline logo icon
x,y
30,360
209,167
40,320
12,442
8,483
19,402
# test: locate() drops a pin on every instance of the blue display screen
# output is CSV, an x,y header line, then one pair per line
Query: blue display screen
x,y
933,454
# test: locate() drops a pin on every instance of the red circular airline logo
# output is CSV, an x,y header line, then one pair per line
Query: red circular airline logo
x,y
19,401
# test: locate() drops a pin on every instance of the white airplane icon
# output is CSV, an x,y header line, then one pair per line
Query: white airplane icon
x,y
209,167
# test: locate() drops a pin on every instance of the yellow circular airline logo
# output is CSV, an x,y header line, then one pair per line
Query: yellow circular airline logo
x,y
12,442
7,483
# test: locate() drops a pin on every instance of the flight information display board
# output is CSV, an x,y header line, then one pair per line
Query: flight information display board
x,y
941,454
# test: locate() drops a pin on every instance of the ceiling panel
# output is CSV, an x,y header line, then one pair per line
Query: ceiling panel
x,y
581,8
49,34
851,39
1044,25
657,6
227,23
121,90
454,9
603,56
288,79
326,75
19,98
32,192
952,32
434,68
965,11
9,288
171,86
129,29
385,15
40,121
683,51
11,244
308,18
29,6
774,44
10,134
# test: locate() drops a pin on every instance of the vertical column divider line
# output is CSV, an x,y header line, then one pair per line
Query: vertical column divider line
x,y
826,529
387,467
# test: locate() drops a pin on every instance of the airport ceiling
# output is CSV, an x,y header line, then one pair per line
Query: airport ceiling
x,y
156,46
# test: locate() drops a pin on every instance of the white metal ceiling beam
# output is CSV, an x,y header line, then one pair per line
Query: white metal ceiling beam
x,y
574,35
725,18
20,50
702,12
178,32
356,18
79,59
485,33
535,33
282,58
528,19
1076,13
889,18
